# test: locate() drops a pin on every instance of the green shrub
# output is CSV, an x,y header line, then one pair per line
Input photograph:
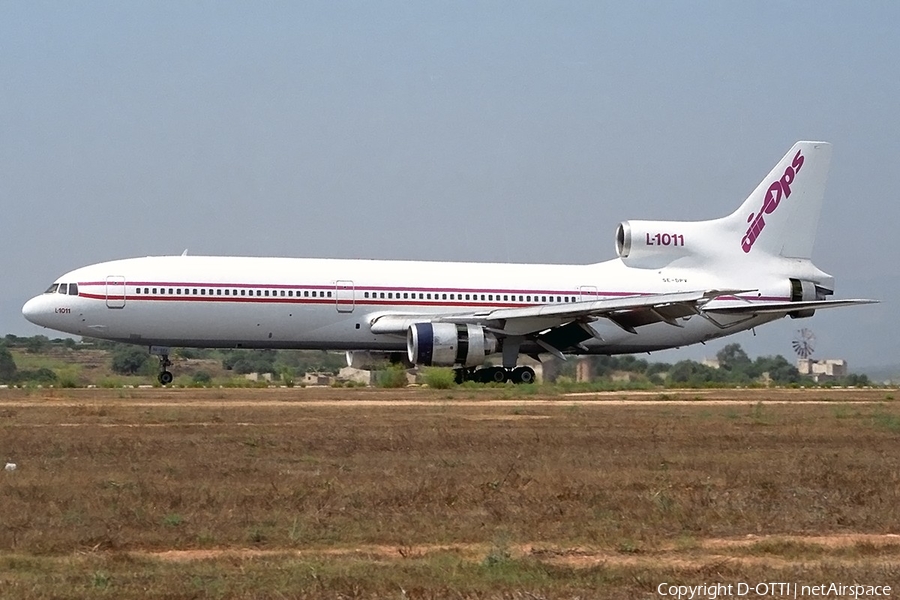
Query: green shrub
x,y
439,378
129,360
391,378
42,376
7,366
201,379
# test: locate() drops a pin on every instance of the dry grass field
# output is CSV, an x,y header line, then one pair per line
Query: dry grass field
x,y
495,493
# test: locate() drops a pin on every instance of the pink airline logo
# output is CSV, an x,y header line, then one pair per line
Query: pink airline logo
x,y
779,189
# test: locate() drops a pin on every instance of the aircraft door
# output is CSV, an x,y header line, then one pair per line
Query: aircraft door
x,y
588,293
345,295
115,291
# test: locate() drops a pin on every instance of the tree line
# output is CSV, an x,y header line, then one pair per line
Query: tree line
x,y
735,367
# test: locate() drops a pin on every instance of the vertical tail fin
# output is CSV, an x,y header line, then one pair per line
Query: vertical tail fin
x,y
781,216
779,219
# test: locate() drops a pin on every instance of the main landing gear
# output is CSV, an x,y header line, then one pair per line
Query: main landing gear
x,y
496,375
165,376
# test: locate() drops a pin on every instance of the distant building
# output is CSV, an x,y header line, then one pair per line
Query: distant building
x,y
315,378
356,375
258,376
822,370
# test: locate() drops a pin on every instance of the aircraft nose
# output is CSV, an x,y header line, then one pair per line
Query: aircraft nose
x,y
32,311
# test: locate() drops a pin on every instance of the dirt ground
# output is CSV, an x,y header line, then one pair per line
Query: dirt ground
x,y
324,492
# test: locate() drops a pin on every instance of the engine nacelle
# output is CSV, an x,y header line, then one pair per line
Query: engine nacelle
x,y
449,344
370,361
654,244
805,290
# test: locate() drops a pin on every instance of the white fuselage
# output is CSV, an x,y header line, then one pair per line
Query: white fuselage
x,y
235,302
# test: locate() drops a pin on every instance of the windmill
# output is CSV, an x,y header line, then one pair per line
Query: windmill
x,y
804,343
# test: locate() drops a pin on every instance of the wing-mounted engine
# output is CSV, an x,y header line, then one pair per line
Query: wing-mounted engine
x,y
449,344
655,244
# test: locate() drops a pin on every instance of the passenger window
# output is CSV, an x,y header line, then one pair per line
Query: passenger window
x,y
218,292
193,292
314,294
382,295
203,292
467,296
543,298
405,296
329,294
267,292
259,292
282,292
444,296
366,294
306,293
154,290
453,296
226,292
137,290
290,293
243,292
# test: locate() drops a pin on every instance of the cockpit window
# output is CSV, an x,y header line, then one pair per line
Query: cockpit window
x,y
52,289
73,289
63,288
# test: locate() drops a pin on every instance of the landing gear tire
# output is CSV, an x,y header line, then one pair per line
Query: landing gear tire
x,y
492,375
463,375
165,377
496,375
522,375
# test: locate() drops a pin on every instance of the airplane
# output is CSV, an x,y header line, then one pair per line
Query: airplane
x,y
672,283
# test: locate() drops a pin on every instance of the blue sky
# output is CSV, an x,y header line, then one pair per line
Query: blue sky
x,y
448,131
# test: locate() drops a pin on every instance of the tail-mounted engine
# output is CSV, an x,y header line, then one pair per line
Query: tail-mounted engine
x,y
806,290
654,244
449,344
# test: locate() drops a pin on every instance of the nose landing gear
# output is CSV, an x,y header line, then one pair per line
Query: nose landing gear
x,y
165,376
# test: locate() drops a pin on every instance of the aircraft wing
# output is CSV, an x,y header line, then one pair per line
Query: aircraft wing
x,y
626,312
763,308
